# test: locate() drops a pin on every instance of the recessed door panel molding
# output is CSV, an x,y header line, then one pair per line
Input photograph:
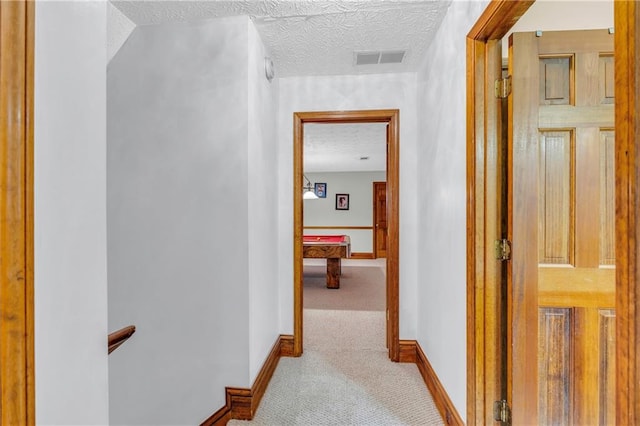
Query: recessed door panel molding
x,y
555,370
607,364
606,78
556,171
607,198
556,80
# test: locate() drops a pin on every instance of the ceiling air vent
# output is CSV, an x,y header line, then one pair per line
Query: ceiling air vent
x,y
367,58
392,57
374,58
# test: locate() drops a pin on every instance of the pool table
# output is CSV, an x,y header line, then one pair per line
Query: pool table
x,y
330,247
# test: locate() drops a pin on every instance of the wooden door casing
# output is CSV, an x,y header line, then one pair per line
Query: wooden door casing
x,y
17,391
487,370
379,219
392,118
563,208
496,20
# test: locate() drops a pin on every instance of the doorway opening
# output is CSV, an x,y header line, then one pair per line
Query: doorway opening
x,y
391,118
485,378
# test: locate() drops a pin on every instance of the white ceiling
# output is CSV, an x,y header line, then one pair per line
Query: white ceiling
x,y
313,37
340,147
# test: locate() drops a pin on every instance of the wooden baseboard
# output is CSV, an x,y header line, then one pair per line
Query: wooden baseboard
x,y
410,351
242,403
362,256
220,417
286,345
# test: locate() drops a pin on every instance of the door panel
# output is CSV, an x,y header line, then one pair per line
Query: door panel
x,y
554,371
607,198
556,188
561,131
380,219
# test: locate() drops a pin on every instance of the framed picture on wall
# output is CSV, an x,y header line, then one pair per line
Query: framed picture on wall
x,y
342,201
320,189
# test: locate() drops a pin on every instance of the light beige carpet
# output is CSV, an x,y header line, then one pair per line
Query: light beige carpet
x,y
345,377
362,288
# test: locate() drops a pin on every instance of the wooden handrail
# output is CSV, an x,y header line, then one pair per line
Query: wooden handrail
x,y
119,337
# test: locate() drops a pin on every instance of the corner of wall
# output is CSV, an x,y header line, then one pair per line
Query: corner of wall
x,y
119,28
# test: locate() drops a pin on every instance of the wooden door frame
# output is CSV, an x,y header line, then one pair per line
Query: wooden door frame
x,y
375,218
482,370
392,118
17,394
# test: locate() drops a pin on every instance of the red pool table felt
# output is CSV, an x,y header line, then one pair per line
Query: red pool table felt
x,y
324,238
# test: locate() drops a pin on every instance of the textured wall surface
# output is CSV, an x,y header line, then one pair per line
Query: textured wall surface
x,y
377,91
263,207
177,220
70,214
442,202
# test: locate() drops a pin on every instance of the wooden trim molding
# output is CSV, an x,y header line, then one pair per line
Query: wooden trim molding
x,y
627,160
366,228
408,351
484,378
411,352
358,255
242,403
286,345
498,18
17,392
392,118
117,338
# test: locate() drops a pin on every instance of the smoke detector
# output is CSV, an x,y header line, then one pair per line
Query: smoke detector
x,y
379,57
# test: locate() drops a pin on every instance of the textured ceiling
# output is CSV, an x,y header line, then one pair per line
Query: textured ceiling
x,y
119,27
315,37
340,147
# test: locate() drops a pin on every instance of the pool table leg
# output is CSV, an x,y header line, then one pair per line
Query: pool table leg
x,y
333,272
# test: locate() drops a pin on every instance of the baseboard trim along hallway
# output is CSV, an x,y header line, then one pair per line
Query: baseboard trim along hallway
x,y
242,403
411,352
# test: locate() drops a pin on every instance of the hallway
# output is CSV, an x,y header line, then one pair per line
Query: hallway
x,y
344,376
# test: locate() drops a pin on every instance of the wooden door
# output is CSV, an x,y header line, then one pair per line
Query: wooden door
x,y
561,225
379,219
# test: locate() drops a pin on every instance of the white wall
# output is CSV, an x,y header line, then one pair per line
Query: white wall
x,y
119,28
548,15
263,207
322,212
335,93
178,215
442,201
70,215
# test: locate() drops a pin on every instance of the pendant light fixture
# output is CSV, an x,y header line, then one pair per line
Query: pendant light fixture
x,y
308,192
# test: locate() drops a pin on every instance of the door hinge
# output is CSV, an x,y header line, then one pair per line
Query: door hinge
x,y
503,87
502,412
503,249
